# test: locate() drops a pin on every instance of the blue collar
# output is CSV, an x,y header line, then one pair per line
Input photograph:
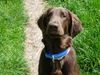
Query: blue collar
x,y
57,56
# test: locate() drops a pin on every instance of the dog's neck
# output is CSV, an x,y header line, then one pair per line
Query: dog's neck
x,y
56,45
52,45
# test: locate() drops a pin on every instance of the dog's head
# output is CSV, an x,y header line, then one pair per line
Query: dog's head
x,y
56,22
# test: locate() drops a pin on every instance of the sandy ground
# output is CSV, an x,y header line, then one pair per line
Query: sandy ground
x,y
33,44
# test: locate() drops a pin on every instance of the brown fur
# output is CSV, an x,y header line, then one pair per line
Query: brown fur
x,y
59,26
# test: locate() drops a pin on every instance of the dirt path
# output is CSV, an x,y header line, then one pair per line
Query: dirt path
x,y
33,44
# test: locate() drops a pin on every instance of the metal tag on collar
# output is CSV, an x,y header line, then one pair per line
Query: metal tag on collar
x,y
53,58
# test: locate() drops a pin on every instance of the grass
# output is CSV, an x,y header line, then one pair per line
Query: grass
x,y
12,24
87,43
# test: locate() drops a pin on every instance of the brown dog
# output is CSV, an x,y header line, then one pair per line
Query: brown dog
x,y
58,26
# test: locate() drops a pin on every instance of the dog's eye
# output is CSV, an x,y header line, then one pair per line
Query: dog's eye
x,y
63,15
49,14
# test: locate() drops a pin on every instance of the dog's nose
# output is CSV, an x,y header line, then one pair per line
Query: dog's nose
x,y
53,27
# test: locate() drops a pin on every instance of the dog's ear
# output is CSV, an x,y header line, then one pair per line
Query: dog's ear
x,y
42,21
75,25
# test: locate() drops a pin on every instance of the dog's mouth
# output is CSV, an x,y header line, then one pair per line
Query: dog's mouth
x,y
54,35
